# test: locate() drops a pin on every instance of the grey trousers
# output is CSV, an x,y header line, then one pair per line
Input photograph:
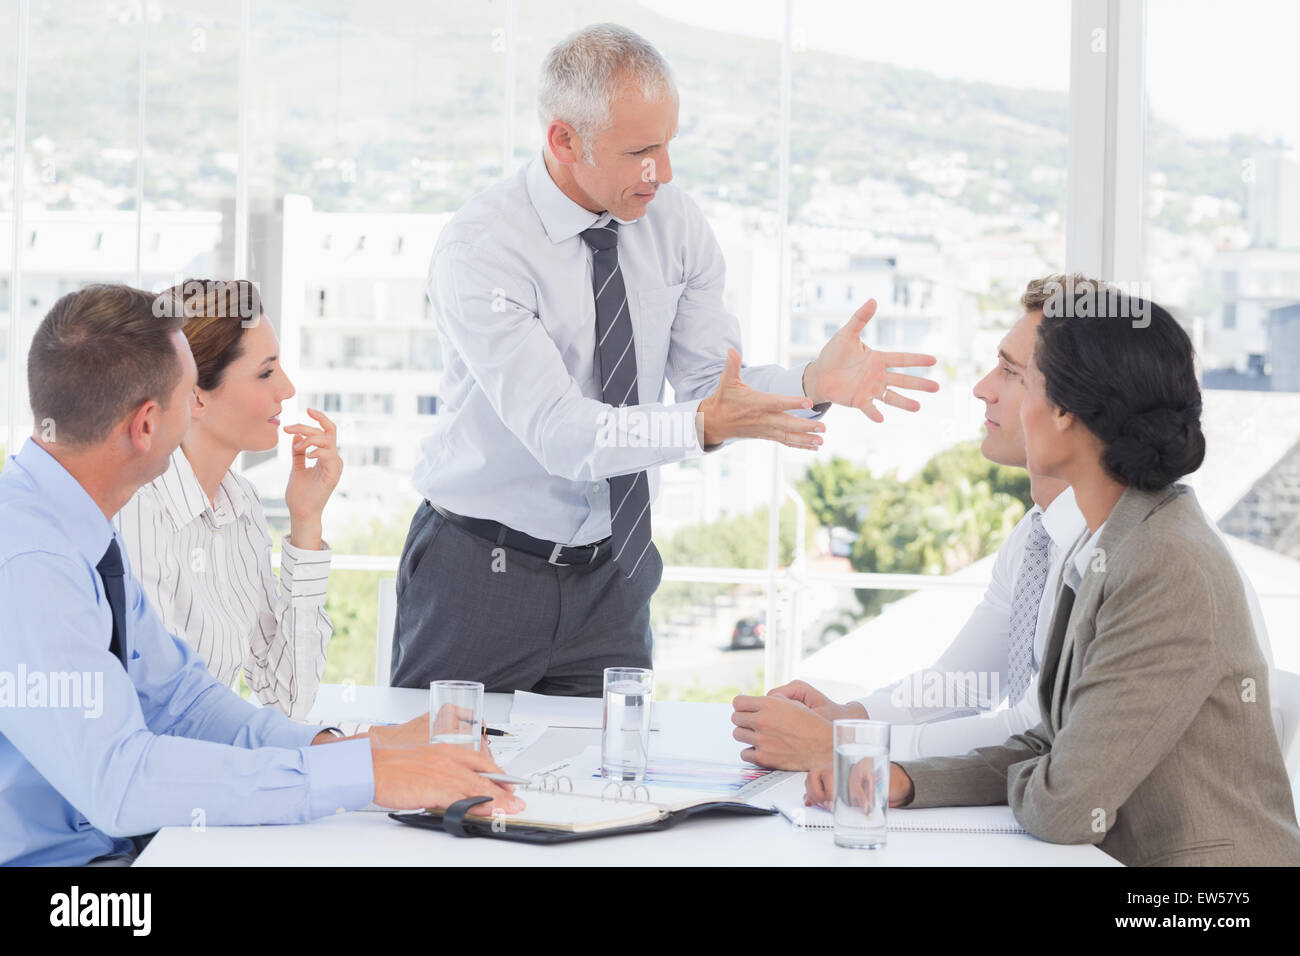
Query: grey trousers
x,y
469,610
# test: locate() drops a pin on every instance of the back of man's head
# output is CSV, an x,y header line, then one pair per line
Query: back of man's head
x,y
98,355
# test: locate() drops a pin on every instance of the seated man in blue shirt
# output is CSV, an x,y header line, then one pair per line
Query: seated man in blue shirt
x,y
110,727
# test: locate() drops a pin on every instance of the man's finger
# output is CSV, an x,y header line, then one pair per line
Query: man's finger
x,y
915,382
745,736
815,789
744,702
858,321
898,401
871,411
731,371
801,432
800,444
907,359
783,403
743,718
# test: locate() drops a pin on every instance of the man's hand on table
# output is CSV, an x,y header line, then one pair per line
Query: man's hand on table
x,y
437,775
820,788
790,728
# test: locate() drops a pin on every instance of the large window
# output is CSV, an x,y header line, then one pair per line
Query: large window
x,y
922,154
1221,231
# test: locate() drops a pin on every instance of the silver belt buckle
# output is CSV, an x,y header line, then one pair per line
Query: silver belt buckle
x,y
555,553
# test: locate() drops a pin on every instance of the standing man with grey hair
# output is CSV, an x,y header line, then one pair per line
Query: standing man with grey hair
x,y
566,296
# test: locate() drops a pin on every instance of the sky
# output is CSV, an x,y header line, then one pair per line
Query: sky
x,y
1214,67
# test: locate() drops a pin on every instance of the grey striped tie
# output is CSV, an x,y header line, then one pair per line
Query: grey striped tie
x,y
629,495
1025,599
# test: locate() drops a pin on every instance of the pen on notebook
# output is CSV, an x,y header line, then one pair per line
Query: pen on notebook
x,y
505,778
494,732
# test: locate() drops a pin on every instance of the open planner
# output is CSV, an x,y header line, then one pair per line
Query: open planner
x,y
566,802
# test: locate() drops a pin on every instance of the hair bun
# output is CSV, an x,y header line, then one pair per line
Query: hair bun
x,y
1157,447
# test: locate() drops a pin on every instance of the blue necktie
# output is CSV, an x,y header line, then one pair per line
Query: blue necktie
x,y
629,495
111,571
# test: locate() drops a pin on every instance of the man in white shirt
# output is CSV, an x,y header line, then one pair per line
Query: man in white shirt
x,y
565,297
941,710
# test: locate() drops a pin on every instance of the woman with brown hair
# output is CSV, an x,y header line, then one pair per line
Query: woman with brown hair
x,y
197,537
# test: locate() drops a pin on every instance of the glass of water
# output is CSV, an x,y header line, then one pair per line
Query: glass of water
x,y
861,782
456,713
625,739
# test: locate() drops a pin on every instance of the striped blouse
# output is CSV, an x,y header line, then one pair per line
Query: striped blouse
x,y
207,571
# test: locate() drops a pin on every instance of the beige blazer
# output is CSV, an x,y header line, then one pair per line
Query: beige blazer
x,y
1156,741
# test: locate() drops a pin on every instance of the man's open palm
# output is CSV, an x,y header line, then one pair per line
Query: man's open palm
x,y
848,372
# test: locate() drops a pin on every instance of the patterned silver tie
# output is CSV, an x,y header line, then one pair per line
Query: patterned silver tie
x,y
629,495
1025,599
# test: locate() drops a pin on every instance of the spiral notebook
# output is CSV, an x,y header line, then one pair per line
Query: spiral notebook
x,y
787,797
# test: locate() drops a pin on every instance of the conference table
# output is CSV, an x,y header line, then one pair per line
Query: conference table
x,y
688,730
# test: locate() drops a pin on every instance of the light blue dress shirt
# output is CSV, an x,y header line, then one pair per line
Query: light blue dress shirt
x,y
90,753
522,434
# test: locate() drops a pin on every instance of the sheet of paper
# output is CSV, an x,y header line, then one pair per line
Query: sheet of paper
x,y
521,737
672,782
585,712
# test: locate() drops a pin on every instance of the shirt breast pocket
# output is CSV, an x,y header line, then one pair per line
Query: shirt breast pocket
x,y
652,323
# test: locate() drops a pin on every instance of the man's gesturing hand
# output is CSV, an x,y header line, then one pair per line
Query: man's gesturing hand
x,y
737,411
847,372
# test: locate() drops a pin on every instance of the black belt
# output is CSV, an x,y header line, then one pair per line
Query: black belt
x,y
558,554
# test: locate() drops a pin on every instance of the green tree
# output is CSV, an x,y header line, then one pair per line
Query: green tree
x,y
738,541
958,508
352,601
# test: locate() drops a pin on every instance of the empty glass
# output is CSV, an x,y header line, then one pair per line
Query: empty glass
x,y
456,713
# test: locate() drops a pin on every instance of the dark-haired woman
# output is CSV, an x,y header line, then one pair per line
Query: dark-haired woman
x,y
196,535
1157,742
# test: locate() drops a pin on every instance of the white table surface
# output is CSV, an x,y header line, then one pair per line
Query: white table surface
x,y
701,731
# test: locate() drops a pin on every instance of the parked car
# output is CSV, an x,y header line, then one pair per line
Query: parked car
x,y
748,632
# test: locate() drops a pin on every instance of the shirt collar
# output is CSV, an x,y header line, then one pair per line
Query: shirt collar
x,y
1063,520
562,218
1077,568
185,499
78,515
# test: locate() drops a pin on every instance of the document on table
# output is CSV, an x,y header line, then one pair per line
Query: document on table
x,y
672,781
519,737
584,712
788,798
